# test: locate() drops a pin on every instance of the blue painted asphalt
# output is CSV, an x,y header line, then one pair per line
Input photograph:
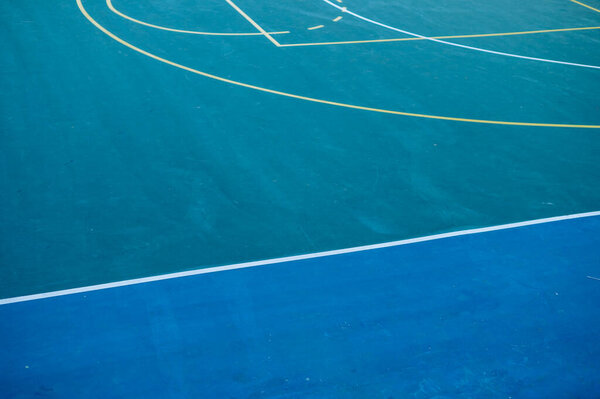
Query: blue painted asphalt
x,y
502,314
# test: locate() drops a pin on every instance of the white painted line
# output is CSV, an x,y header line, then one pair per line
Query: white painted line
x,y
344,9
256,25
593,278
112,8
291,258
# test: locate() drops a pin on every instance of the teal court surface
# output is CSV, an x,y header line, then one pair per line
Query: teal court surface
x,y
300,199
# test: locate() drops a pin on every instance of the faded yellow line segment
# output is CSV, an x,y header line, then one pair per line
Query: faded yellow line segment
x,y
337,19
406,39
315,27
315,100
257,26
585,5
192,32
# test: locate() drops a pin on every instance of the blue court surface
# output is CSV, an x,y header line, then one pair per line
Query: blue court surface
x,y
300,199
470,316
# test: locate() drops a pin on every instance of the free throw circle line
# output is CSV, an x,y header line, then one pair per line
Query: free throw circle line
x,y
316,100
192,32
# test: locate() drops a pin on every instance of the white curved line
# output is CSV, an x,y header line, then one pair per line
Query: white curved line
x,y
344,9
312,99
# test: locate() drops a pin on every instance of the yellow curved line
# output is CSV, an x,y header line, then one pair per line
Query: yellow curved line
x,y
137,21
315,100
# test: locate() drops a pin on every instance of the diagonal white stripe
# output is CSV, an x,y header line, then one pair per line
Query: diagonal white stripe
x,y
290,258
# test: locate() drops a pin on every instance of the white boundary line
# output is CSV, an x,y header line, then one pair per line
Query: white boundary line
x,y
344,9
291,258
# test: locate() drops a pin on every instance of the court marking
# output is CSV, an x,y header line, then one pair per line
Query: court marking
x,y
338,18
585,5
286,259
256,25
316,27
482,50
408,39
316,100
137,21
593,278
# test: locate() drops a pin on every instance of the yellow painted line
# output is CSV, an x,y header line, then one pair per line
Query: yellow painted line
x,y
406,39
585,5
337,19
315,100
339,1
257,26
193,32
315,27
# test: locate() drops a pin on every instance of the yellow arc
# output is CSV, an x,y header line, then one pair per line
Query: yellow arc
x,y
193,32
316,100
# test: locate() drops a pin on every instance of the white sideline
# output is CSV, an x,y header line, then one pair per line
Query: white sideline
x,y
344,9
245,265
